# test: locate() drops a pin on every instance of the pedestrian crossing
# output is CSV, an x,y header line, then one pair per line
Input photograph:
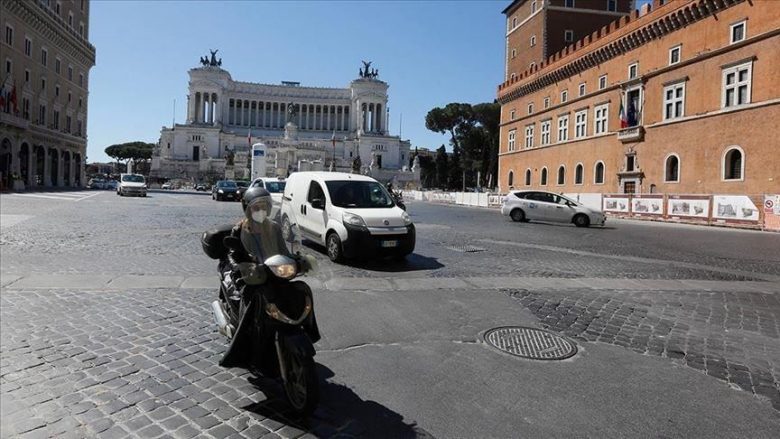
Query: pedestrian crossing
x,y
57,195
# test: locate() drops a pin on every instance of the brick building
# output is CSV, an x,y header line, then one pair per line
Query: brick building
x,y
44,85
681,98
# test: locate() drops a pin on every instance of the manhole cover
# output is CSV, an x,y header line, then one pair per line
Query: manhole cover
x,y
466,248
530,343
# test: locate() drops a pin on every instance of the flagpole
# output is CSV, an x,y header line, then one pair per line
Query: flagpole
x,y
174,113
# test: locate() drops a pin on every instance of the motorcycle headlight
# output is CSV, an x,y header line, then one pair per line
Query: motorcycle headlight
x,y
355,220
282,266
407,218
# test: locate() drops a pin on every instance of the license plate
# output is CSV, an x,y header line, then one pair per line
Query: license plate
x,y
389,243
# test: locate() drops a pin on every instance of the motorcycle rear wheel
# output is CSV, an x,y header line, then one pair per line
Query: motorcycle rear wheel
x,y
301,387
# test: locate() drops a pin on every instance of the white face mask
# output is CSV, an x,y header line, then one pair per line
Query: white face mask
x,y
259,216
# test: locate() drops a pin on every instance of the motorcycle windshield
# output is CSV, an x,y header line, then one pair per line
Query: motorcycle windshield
x,y
265,239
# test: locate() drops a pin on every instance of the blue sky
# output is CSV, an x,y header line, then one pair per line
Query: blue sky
x,y
429,52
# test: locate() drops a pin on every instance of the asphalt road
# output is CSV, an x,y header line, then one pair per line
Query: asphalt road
x,y
106,331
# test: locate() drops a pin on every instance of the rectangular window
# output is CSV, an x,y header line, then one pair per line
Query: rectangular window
x,y
9,35
70,97
533,6
564,96
44,56
738,31
580,124
8,66
56,90
512,140
736,85
568,36
26,76
612,5
545,137
674,55
602,82
70,73
512,115
56,121
569,3
633,70
582,89
546,102
28,47
81,79
563,128
600,118
80,102
57,64
514,53
529,136
70,20
43,85
533,40
674,101
57,8
530,108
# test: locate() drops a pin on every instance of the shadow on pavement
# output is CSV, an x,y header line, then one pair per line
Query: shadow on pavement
x,y
341,412
412,262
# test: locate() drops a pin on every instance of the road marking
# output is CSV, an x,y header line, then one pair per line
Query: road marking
x,y
67,196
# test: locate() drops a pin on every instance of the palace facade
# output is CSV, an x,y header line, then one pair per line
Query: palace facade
x,y
303,128
679,98
44,84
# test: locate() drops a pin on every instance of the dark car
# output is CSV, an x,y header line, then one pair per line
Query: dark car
x,y
225,190
242,187
200,187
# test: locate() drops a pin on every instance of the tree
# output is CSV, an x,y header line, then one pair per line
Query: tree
x,y
450,119
441,167
455,171
136,151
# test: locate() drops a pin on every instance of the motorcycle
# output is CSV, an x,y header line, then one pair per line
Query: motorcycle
x,y
267,315
398,197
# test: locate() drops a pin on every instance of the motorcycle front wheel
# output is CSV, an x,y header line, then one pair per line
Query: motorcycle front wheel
x,y
301,387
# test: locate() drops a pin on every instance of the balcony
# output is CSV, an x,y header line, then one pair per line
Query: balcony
x,y
14,121
632,134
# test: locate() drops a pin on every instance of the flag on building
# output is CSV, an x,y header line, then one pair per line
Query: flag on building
x,y
2,94
623,118
249,138
12,99
333,139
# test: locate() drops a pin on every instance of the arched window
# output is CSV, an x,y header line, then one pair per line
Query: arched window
x,y
578,174
598,175
544,177
734,164
511,178
561,175
672,167
528,177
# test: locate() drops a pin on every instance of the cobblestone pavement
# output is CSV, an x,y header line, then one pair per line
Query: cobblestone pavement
x,y
143,364
733,337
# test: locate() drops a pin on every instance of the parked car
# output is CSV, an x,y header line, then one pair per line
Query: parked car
x,y
166,186
523,206
242,187
111,185
200,187
96,183
273,185
351,215
131,184
224,190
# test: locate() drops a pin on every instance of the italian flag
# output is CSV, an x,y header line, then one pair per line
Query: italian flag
x,y
249,138
623,118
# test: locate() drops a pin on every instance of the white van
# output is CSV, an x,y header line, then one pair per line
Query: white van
x,y
351,215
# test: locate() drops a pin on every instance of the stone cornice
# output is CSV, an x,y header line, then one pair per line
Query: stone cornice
x,y
53,30
651,26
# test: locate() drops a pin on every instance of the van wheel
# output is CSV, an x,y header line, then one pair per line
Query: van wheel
x,y
333,244
517,215
581,220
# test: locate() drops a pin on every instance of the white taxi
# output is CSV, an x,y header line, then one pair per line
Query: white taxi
x,y
547,206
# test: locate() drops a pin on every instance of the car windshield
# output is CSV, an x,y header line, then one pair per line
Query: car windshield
x,y
226,184
359,194
275,187
133,178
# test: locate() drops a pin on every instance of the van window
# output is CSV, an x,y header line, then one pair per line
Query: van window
x,y
315,191
275,186
359,194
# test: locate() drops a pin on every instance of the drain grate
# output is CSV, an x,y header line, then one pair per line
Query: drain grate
x,y
530,343
466,248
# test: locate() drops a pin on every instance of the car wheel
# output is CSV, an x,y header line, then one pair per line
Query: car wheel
x,y
581,220
517,215
334,247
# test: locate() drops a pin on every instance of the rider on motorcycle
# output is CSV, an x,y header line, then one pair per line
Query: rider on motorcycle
x,y
253,240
